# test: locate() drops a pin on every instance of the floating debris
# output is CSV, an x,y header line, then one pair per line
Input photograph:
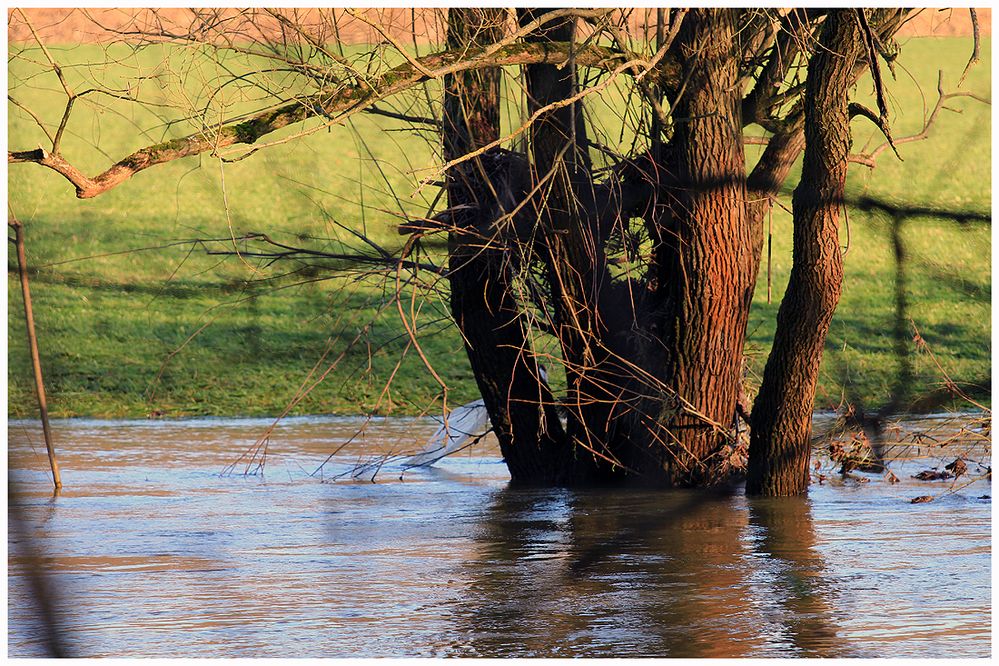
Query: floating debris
x,y
463,424
957,468
932,475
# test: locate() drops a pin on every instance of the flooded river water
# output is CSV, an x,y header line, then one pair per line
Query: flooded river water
x,y
150,552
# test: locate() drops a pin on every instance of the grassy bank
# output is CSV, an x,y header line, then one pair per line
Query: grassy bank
x,y
133,320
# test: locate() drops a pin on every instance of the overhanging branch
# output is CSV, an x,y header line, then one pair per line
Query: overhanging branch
x,y
335,105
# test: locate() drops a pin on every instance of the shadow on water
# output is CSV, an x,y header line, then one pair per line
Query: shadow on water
x,y
664,574
24,551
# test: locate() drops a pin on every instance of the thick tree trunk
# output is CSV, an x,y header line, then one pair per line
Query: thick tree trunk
x,y
520,406
652,386
782,415
706,258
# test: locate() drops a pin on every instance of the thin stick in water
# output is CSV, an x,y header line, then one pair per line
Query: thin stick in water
x,y
22,268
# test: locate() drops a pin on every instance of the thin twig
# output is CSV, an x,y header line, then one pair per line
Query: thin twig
x,y
975,51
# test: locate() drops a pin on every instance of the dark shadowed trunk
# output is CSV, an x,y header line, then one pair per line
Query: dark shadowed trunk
x,y
520,406
782,414
566,213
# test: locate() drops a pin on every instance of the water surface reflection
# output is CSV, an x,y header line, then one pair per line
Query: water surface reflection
x,y
155,555
678,574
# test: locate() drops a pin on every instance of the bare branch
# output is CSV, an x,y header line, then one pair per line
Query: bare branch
x,y
621,39
387,36
48,56
791,39
858,109
870,159
641,69
976,50
70,95
879,88
62,124
336,105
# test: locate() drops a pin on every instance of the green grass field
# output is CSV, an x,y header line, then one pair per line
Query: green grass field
x,y
131,320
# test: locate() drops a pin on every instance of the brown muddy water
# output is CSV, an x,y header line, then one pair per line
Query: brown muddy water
x,y
152,553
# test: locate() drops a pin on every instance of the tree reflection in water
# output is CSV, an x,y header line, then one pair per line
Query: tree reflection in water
x,y
626,573
792,581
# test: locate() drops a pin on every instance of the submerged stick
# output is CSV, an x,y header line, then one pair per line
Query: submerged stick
x,y
22,269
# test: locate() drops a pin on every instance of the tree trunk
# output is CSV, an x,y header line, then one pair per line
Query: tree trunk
x,y
706,258
782,415
567,214
521,407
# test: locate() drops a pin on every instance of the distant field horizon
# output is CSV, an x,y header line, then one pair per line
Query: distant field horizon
x,y
61,25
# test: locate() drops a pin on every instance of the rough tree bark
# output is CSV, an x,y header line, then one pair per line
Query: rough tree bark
x,y
708,277
521,407
780,444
